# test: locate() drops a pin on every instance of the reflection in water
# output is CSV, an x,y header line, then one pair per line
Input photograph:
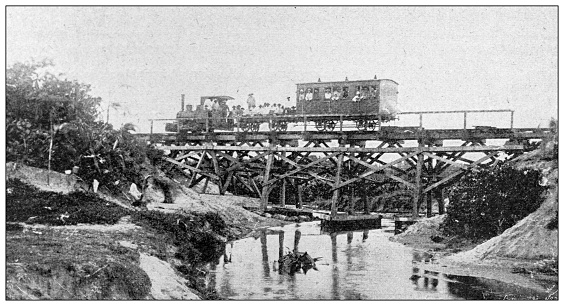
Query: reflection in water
x,y
364,235
373,268
335,274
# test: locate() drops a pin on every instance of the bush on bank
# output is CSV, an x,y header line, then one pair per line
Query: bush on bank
x,y
484,203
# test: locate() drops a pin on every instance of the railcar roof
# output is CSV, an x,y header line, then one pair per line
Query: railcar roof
x,y
218,97
349,81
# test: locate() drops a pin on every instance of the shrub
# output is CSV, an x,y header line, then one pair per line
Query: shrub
x,y
484,203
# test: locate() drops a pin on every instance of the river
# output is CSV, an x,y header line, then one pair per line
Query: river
x,y
355,265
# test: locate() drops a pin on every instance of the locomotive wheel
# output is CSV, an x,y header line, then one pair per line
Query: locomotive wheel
x,y
330,125
245,126
283,126
320,125
255,126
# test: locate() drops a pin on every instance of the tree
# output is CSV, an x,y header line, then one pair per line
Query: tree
x,y
38,104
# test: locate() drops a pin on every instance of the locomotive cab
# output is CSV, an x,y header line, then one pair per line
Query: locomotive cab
x,y
210,114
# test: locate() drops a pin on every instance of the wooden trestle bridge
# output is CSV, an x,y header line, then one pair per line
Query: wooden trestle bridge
x,y
413,156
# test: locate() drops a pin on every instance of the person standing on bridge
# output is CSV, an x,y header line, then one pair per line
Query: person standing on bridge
x,y
251,102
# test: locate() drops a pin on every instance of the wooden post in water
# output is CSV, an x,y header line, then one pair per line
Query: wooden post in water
x,y
280,245
335,199
297,237
417,190
265,188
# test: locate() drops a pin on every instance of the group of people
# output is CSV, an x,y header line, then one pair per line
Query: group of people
x,y
264,109
360,95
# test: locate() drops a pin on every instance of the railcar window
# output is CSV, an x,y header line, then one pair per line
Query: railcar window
x,y
364,94
336,94
327,93
316,93
345,92
301,95
309,94
374,91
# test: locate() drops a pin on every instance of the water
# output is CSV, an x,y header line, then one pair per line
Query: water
x,y
357,265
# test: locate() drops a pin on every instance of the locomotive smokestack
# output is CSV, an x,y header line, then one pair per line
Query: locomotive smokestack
x,y
182,103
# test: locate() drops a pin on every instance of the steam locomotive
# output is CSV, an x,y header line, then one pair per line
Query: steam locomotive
x,y
366,103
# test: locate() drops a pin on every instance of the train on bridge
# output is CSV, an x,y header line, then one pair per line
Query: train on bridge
x,y
365,103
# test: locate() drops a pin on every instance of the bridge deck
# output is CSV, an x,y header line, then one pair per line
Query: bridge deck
x,y
386,134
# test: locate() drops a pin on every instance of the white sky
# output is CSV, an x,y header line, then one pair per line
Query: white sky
x,y
444,58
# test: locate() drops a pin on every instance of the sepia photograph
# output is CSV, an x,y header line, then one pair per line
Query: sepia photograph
x,y
281,152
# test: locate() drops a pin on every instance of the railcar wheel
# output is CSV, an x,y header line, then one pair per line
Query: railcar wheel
x,y
320,125
371,125
283,126
330,125
256,126
361,125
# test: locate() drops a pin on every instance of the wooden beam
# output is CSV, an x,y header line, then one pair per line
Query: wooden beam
x,y
349,149
335,198
217,170
417,190
265,190
197,167
399,179
300,168
170,160
455,174
376,169
446,161
244,162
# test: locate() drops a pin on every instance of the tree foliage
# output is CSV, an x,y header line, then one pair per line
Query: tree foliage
x,y
44,110
484,203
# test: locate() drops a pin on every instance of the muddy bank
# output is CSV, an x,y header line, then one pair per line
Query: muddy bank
x,y
63,244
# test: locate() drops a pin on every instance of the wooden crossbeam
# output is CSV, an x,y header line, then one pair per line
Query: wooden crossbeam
x,y
399,179
375,169
244,162
447,161
170,160
458,172
244,183
301,168
197,167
